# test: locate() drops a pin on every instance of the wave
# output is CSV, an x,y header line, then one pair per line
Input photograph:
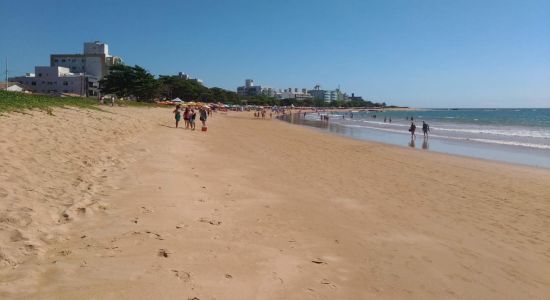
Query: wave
x,y
526,133
480,140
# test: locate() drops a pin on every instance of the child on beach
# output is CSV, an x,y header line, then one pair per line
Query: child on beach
x,y
177,113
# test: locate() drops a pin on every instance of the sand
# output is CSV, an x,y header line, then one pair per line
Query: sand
x,y
121,205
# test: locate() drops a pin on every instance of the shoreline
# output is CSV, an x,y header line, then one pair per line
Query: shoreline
x,y
501,153
257,208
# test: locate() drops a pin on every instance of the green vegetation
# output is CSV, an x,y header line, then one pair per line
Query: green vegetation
x,y
137,83
13,101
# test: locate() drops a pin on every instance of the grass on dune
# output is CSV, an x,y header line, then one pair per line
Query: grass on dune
x,y
13,101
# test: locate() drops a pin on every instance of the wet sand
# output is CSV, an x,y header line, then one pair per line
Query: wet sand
x,y
126,207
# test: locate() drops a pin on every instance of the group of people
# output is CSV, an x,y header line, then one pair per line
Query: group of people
x,y
189,116
262,113
425,129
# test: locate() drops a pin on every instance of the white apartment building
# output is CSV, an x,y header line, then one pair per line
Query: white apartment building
x,y
249,90
56,80
94,63
293,94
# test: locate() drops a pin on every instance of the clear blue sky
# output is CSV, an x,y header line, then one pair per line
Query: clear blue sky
x,y
422,53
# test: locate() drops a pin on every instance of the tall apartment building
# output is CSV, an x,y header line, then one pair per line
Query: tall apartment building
x,y
94,63
72,73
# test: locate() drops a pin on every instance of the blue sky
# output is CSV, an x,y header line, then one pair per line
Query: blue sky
x,y
422,53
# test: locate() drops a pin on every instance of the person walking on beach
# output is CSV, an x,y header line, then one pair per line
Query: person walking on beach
x,y
192,116
203,116
425,129
390,119
177,114
412,129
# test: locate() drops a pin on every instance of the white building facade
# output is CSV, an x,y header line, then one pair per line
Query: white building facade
x,y
54,80
250,90
94,63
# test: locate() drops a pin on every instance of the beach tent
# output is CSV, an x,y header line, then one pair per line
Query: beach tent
x,y
177,100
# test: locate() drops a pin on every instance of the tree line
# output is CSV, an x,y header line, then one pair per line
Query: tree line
x,y
137,83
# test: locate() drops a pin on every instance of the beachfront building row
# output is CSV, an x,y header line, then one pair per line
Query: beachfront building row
x,y
72,73
298,94
250,89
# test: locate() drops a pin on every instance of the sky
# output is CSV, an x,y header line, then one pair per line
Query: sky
x,y
419,53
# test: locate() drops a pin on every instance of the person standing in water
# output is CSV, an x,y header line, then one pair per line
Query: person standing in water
x,y
412,129
425,129
177,114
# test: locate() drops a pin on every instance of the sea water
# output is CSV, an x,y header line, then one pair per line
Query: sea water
x,y
510,135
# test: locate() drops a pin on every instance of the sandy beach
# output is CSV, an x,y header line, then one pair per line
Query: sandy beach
x,y
118,204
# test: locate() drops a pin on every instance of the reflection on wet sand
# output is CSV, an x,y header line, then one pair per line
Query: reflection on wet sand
x,y
425,144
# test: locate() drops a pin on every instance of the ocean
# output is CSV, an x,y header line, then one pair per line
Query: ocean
x,y
520,136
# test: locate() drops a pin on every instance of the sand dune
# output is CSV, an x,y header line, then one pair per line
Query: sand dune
x,y
118,205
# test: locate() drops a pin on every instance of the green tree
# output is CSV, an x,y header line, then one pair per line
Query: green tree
x,y
126,81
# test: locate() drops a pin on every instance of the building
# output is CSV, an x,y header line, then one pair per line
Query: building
x,y
54,80
251,90
11,87
184,76
355,98
95,63
326,95
293,94
72,73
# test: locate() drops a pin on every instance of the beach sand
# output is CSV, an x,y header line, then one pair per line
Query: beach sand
x,y
121,205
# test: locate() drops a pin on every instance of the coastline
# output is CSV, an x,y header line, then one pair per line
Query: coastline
x,y
508,152
263,209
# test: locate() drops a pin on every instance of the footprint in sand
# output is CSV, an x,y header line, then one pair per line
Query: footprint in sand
x,y
163,253
211,222
156,235
145,210
184,276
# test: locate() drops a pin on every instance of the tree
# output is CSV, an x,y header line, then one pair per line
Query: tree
x,y
126,81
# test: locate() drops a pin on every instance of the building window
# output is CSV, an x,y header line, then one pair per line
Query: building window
x,y
33,83
63,60
56,60
65,83
39,74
